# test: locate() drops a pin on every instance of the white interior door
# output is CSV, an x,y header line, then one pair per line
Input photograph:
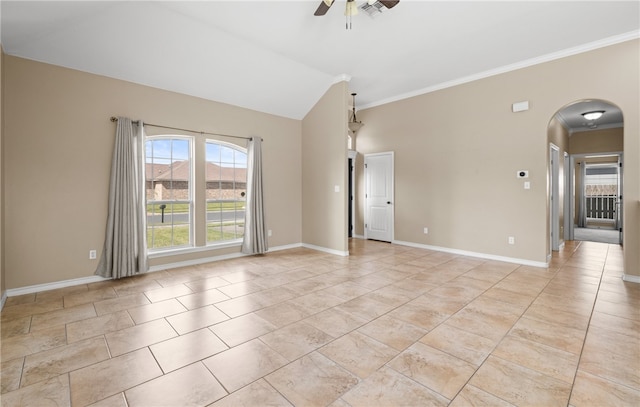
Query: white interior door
x,y
378,219
619,208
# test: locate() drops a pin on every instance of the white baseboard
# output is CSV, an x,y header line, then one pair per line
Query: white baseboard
x,y
630,278
326,250
524,262
94,279
12,292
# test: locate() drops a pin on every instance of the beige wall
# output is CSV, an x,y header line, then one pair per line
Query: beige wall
x,y
457,151
597,141
324,167
58,142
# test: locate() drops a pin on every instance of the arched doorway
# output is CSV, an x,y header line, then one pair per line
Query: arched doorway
x,y
585,173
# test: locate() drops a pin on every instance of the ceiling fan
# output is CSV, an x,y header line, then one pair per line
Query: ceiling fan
x,y
371,6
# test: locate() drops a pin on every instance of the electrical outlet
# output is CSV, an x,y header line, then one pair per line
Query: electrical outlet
x,y
512,240
93,254
426,231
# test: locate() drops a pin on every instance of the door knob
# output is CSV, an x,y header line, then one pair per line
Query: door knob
x,y
388,202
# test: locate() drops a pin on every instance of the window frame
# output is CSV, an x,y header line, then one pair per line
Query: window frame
x,y
190,201
223,144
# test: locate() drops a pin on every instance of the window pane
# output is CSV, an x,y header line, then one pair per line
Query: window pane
x,y
168,192
226,174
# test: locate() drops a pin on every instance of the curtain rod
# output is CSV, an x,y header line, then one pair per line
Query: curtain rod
x,y
115,119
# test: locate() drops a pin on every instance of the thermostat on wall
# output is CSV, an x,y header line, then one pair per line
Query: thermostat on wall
x,y
523,174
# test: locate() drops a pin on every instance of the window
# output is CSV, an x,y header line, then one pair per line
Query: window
x,y
169,169
226,187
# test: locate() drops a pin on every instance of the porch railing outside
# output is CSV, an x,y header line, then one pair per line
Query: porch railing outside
x,y
601,206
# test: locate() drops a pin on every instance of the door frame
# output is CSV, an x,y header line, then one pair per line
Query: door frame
x,y
393,194
351,200
571,178
554,197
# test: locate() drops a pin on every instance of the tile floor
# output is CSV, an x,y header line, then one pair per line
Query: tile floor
x,y
387,326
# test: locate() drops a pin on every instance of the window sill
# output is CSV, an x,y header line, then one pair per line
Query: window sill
x,y
188,250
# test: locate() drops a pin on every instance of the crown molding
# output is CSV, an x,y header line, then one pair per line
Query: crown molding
x,y
632,35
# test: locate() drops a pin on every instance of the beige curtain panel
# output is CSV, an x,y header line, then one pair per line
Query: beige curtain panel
x,y
255,234
124,252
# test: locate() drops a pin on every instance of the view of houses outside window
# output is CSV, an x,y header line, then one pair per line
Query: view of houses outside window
x,y
168,175
226,180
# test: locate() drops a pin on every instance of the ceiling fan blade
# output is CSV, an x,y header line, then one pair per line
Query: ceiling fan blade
x,y
323,7
389,3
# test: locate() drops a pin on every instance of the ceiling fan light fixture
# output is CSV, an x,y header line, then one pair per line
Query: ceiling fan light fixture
x,y
593,115
328,2
351,9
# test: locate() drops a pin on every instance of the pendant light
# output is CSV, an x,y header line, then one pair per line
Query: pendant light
x,y
354,124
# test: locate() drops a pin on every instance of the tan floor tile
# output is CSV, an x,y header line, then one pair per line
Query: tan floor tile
x,y
347,290
251,361
101,380
439,371
10,374
186,349
557,336
392,296
58,293
139,336
23,310
190,386
365,307
240,289
258,393
393,332
519,385
510,297
88,328
358,353
473,396
166,293
117,400
54,362
137,287
315,302
146,313
22,345
624,310
55,391
296,340
312,380
464,345
241,305
195,319
282,314
613,323
61,317
15,327
202,298
619,363
120,303
589,390
242,329
386,387
88,296
20,299
335,321
557,316
206,284
550,361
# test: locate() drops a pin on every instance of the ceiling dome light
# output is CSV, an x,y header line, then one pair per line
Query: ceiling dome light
x,y
594,115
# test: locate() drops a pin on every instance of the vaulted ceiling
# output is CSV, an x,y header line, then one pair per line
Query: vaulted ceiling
x,y
277,57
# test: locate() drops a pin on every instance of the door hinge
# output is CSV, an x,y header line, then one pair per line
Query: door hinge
x,y
365,165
